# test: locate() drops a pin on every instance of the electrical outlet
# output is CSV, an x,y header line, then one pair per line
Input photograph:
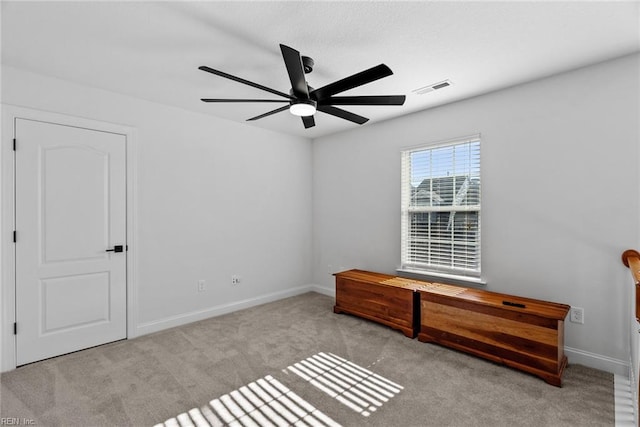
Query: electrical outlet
x,y
577,315
235,279
202,286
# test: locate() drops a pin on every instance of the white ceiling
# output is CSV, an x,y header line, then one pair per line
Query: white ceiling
x,y
152,50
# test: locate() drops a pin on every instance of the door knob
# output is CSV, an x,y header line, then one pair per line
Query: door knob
x,y
116,248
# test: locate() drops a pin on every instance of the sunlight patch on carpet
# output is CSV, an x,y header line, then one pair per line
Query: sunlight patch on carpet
x,y
265,402
354,386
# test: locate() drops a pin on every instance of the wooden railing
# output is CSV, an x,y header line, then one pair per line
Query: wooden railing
x,y
631,259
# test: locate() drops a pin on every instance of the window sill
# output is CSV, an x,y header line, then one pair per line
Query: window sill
x,y
454,278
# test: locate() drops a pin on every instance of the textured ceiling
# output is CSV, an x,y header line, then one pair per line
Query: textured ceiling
x,y
152,50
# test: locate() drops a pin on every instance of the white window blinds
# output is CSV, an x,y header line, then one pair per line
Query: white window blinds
x,y
441,208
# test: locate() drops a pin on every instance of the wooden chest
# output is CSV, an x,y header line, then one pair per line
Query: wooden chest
x,y
379,297
522,333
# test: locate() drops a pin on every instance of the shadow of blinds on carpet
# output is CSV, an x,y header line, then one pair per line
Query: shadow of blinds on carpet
x,y
264,402
358,388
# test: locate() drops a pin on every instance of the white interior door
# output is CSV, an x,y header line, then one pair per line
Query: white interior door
x,y
70,209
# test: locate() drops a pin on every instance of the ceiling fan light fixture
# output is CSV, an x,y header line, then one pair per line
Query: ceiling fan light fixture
x,y
303,107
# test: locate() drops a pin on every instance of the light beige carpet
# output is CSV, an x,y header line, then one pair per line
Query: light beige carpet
x,y
159,377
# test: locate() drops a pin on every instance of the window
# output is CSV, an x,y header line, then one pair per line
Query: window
x,y
441,208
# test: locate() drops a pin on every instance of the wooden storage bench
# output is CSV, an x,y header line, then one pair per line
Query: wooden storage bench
x,y
378,297
522,333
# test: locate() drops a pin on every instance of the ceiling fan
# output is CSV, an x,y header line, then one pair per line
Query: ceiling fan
x,y
304,101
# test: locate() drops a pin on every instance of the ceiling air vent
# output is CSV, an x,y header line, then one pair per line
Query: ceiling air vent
x,y
432,87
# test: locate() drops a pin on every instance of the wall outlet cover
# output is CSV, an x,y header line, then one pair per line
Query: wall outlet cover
x,y
577,315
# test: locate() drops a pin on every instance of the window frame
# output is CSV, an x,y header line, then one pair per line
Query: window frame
x,y
472,172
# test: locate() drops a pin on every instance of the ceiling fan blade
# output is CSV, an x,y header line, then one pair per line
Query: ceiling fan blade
x,y
295,69
358,79
364,100
277,110
308,122
242,100
241,80
343,114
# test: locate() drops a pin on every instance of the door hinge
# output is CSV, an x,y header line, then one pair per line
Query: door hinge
x,y
14,144
15,328
15,239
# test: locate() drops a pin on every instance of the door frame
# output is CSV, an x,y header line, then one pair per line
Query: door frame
x,y
7,219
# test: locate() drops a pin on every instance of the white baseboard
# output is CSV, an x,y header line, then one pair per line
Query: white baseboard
x,y
330,292
194,316
597,361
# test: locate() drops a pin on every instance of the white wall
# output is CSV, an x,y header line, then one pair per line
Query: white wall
x,y
214,198
559,193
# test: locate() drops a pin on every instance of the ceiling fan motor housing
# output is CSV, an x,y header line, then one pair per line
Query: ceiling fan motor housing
x,y
310,88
